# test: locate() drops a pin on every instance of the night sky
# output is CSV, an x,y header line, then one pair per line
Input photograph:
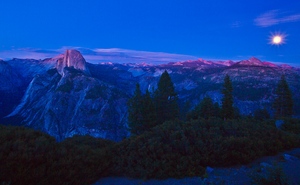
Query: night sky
x,y
214,29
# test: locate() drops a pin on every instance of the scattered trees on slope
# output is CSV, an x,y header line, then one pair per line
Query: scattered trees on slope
x,y
146,112
207,109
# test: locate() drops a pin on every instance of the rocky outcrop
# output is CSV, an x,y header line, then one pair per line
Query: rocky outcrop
x,y
72,58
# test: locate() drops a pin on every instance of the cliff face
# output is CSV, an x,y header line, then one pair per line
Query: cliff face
x,y
9,79
66,101
11,88
72,58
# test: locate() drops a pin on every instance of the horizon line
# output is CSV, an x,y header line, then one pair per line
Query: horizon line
x,y
119,55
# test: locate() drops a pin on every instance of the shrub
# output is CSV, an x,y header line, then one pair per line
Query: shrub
x,y
261,114
23,155
32,157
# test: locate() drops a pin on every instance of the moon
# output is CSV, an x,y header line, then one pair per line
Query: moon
x,y
277,39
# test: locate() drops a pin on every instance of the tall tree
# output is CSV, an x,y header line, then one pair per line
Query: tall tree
x,y
227,101
283,103
135,115
166,99
148,112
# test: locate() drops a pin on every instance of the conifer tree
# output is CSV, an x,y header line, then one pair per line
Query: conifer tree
x,y
207,108
217,110
283,103
135,116
148,112
166,100
227,101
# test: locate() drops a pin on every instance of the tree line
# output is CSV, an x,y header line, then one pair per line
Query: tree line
x,y
149,110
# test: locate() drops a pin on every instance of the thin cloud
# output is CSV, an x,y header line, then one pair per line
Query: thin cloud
x,y
115,55
274,17
27,53
142,56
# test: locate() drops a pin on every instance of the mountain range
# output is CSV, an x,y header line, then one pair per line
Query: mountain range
x,y
65,95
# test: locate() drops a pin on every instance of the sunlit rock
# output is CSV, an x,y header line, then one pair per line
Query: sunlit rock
x,y
72,58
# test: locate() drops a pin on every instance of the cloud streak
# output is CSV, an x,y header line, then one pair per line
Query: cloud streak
x,y
124,55
27,53
114,55
274,17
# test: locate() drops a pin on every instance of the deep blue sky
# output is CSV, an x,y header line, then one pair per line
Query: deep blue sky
x,y
211,29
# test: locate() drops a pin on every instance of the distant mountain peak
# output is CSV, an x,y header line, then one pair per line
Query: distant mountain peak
x,y
225,63
71,58
251,62
228,63
255,60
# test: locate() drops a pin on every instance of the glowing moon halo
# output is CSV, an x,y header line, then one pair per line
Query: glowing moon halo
x,y
277,39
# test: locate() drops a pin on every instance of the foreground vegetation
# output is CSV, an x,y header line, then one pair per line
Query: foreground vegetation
x,y
178,149
32,157
174,149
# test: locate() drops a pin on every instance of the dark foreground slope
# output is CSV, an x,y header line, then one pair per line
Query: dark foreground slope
x,y
171,150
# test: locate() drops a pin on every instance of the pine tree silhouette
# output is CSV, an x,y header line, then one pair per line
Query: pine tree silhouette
x,y
283,103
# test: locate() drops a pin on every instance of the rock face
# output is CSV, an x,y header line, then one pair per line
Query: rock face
x,y
72,58
8,78
11,88
65,101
